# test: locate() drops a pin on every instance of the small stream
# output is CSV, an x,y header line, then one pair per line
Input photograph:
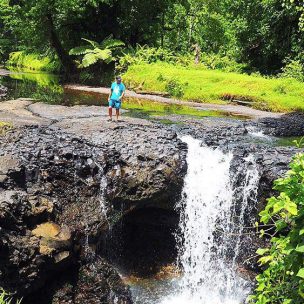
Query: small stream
x,y
48,88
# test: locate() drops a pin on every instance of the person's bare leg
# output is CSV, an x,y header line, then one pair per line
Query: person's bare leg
x,y
117,114
110,113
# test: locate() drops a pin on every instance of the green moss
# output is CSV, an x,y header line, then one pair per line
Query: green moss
x,y
212,86
33,62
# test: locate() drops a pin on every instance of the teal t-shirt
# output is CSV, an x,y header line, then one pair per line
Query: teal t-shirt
x,y
117,90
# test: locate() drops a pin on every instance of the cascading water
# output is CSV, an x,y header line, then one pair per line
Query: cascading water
x,y
207,231
212,224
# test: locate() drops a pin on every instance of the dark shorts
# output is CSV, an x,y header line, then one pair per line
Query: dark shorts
x,y
115,104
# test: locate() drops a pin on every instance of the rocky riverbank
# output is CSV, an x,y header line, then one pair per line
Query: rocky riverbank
x,y
67,176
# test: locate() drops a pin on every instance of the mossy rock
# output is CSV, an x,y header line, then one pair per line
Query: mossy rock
x,y
4,127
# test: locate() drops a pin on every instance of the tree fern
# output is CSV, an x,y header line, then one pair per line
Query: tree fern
x,y
79,50
105,54
88,60
110,43
95,52
94,44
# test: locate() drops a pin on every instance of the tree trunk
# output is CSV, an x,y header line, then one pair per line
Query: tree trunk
x,y
162,29
66,61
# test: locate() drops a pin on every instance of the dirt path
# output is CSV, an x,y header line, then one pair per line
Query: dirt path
x,y
229,108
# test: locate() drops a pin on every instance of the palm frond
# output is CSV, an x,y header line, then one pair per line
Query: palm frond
x,y
103,54
93,43
80,50
89,59
110,43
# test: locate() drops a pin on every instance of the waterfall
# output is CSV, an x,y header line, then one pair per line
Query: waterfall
x,y
208,238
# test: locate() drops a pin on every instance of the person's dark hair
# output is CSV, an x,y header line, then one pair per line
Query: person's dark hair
x,y
118,77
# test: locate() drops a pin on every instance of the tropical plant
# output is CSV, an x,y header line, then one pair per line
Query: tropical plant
x,y
145,54
5,298
94,52
282,281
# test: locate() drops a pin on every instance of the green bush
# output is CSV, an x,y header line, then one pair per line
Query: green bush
x,y
175,88
34,62
220,62
143,54
282,281
293,69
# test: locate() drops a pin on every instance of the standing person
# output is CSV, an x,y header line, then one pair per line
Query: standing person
x,y
115,97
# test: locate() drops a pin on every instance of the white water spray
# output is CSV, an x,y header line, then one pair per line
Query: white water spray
x,y
256,132
206,229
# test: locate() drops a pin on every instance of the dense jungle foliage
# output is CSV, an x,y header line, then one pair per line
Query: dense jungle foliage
x,y
264,35
282,280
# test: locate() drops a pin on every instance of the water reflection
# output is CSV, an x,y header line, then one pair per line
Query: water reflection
x,y
47,88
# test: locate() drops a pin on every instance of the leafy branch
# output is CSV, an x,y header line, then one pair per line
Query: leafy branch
x,y
282,281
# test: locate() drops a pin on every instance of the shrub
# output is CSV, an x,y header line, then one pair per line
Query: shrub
x,y
293,69
35,62
143,54
175,88
219,62
94,52
282,281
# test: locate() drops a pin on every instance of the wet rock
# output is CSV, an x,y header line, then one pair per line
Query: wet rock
x,y
100,276
3,91
59,194
10,170
94,283
52,238
291,124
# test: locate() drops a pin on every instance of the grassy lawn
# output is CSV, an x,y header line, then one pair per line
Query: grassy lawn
x,y
214,86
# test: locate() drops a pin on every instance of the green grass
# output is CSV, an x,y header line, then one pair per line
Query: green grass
x,y
214,86
33,62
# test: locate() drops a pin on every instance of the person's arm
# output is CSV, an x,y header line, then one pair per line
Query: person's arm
x,y
123,93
